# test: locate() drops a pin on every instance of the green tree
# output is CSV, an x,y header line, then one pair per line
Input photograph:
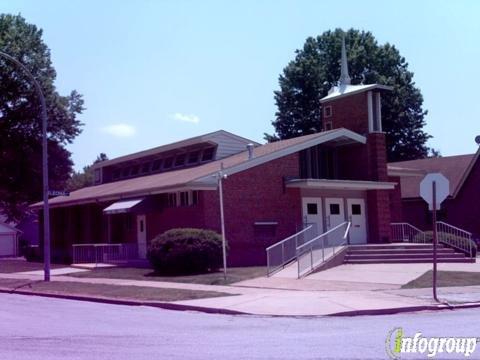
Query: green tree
x,y
86,177
20,124
315,69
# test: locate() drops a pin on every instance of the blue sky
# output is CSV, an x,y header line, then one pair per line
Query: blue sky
x,y
153,72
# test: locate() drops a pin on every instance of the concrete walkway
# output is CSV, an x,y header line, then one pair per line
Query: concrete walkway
x,y
345,288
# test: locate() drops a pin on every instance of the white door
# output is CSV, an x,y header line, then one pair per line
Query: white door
x,y
141,237
356,215
335,213
312,213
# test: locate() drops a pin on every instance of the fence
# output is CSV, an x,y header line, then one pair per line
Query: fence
x,y
104,253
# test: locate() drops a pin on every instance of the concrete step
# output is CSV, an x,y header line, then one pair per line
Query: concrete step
x,y
399,251
393,246
411,261
350,256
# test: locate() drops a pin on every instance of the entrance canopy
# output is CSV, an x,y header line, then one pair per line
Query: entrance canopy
x,y
121,207
340,184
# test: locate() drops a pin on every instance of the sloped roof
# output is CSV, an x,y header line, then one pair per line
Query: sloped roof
x,y
201,176
7,228
454,168
210,137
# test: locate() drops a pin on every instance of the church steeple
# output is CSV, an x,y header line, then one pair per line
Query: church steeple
x,y
344,77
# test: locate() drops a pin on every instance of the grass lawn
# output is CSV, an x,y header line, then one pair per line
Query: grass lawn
x,y
444,279
140,293
16,265
214,278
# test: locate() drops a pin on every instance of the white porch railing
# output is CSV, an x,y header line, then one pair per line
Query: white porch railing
x,y
456,238
282,252
315,252
405,232
104,253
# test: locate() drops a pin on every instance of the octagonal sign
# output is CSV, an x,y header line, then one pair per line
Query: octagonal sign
x,y
426,189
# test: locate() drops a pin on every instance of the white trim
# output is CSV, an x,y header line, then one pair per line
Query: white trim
x,y
320,139
128,195
405,172
370,111
329,107
352,90
378,103
340,184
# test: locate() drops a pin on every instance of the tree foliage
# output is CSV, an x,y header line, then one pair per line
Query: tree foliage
x,y
315,69
20,122
86,177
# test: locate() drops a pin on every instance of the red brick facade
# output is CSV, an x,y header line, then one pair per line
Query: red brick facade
x,y
256,195
349,112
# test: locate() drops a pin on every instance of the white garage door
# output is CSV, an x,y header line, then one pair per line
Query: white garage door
x,y
7,244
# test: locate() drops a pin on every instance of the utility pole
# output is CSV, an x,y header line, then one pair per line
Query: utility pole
x,y
46,213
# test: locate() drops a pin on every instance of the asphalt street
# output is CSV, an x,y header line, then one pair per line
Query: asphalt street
x,y
43,328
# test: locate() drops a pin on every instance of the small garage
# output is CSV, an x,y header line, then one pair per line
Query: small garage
x,y
8,240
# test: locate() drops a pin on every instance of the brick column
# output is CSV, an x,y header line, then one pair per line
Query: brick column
x,y
378,201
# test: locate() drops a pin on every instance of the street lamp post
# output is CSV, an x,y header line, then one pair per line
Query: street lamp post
x,y
220,177
46,213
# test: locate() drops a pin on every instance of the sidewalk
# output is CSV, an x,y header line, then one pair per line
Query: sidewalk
x,y
271,301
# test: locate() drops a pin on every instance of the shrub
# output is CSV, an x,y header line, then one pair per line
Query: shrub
x,y
185,251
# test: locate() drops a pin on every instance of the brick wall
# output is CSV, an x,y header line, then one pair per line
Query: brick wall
x,y
170,218
255,195
395,199
350,112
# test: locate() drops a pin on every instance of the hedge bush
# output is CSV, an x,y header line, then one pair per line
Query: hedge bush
x,y
185,251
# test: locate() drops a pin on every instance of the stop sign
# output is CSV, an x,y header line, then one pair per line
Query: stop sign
x,y
442,186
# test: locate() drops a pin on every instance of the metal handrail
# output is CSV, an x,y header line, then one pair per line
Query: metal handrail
x,y
288,238
324,234
312,247
347,230
455,228
284,251
99,244
455,237
408,232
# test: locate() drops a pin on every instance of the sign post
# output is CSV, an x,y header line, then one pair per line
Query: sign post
x,y
434,188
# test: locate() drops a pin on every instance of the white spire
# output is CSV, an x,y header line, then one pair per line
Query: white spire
x,y
344,77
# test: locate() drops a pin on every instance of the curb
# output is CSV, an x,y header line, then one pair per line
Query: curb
x,y
392,311
112,301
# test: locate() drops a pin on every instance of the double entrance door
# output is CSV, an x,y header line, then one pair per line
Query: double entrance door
x,y
326,213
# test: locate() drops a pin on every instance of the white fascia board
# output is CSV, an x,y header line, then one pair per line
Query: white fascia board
x,y
341,184
130,195
209,179
360,89
405,172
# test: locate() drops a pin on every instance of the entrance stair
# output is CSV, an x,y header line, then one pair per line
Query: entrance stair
x,y
402,253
